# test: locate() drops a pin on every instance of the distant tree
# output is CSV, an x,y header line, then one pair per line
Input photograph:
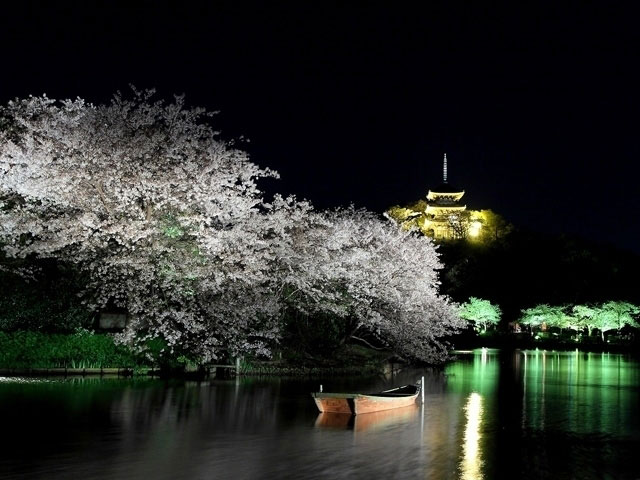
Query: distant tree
x,y
494,225
613,316
557,316
605,320
544,316
605,317
482,313
624,313
407,218
411,217
459,224
483,226
419,207
584,317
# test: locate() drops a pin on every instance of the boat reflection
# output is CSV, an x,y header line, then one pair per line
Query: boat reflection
x,y
368,421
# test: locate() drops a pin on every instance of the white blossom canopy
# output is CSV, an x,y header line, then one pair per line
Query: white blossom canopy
x,y
167,221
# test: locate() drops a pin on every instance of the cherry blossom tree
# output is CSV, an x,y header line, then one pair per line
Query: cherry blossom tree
x,y
380,280
146,198
166,220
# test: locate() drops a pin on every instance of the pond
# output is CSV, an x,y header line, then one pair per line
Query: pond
x,y
488,415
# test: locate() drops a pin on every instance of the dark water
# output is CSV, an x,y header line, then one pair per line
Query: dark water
x,y
532,415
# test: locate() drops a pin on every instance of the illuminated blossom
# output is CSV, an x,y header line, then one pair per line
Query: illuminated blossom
x,y
166,220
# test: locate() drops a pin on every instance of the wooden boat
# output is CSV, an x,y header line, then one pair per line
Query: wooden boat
x,y
357,403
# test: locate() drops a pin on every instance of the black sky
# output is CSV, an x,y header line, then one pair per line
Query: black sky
x,y
536,106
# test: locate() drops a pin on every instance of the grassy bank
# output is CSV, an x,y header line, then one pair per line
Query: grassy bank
x,y
27,349
37,351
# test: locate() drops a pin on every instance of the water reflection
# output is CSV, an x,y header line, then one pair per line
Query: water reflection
x,y
472,455
598,391
374,421
548,414
489,415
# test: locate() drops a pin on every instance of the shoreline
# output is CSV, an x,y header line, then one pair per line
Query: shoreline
x,y
507,343
365,363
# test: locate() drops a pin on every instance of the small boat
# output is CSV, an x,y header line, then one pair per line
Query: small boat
x,y
357,403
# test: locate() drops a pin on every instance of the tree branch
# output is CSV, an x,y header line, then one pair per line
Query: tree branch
x,y
103,197
367,343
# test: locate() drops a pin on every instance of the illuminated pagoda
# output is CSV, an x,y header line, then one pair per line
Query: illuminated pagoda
x,y
444,209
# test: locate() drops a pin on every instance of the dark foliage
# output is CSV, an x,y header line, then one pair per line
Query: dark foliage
x,y
524,269
48,303
317,335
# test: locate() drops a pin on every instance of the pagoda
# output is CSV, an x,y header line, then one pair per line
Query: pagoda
x,y
444,209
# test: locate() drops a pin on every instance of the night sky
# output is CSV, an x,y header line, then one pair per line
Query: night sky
x,y
536,106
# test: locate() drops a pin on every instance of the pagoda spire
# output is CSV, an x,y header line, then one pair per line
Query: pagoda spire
x,y
444,169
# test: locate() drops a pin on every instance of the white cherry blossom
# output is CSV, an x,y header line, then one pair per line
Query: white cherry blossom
x,y
167,221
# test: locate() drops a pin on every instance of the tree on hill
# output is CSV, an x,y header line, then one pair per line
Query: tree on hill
x,y
410,217
478,226
493,225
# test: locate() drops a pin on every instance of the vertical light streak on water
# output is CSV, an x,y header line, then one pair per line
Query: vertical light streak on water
x,y
471,464
533,390
574,376
422,419
524,393
544,383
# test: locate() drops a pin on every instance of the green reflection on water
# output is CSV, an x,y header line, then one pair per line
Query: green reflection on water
x,y
477,371
579,392
539,401
573,391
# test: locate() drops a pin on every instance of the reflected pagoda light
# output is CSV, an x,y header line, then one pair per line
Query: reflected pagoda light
x,y
471,464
